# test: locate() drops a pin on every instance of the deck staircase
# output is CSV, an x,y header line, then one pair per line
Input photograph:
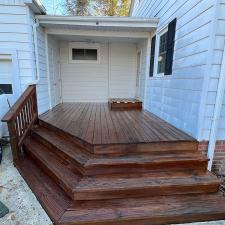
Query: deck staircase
x,y
77,185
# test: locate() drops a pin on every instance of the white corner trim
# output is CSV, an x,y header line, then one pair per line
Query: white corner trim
x,y
208,69
217,112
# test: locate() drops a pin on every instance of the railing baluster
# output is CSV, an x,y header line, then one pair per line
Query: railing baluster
x,y
20,119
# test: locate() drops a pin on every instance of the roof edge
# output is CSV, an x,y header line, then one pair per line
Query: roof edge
x,y
36,6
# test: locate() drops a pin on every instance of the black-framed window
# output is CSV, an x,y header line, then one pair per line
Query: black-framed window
x,y
165,43
6,89
84,54
162,53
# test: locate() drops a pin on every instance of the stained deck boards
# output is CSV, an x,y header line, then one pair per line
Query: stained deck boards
x,y
97,124
89,165
129,211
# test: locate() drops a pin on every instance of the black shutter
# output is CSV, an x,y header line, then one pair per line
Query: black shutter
x,y
152,57
170,47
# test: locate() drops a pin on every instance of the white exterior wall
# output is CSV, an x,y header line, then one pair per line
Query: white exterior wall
x,y
114,76
214,73
143,47
16,36
123,70
177,98
54,73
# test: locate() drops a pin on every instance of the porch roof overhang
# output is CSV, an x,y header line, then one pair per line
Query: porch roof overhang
x,y
98,23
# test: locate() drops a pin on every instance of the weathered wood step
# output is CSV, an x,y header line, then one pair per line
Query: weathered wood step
x,y
129,211
109,187
144,163
151,147
52,165
62,147
151,211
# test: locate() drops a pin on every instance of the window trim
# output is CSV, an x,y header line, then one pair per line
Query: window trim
x,y
82,45
158,35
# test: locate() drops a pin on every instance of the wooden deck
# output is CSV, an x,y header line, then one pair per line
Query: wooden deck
x,y
96,124
88,165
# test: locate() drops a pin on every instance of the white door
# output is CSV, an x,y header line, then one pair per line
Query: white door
x,y
138,88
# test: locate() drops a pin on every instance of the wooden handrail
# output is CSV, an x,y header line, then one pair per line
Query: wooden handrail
x,y
20,119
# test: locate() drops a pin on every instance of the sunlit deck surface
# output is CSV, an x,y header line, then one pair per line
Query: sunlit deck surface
x,y
96,124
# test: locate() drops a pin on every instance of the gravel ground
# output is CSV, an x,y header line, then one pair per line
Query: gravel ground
x,y
23,205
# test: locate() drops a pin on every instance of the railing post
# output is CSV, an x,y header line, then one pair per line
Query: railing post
x,y
35,100
13,140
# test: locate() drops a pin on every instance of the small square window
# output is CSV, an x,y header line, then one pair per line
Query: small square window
x,y
162,53
84,54
6,89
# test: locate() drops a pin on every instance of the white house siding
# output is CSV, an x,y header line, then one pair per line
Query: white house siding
x,y
15,37
142,46
42,87
218,47
53,56
114,76
177,98
16,33
83,82
123,70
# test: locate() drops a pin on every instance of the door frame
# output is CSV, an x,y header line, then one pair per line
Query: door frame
x,y
11,54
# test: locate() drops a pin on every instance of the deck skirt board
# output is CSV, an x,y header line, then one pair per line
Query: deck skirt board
x,y
90,165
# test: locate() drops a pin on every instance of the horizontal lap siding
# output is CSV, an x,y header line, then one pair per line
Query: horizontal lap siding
x,y
15,34
214,78
42,88
142,46
177,98
83,82
122,70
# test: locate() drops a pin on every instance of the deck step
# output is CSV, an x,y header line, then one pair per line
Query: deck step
x,y
129,211
52,165
135,163
61,146
109,187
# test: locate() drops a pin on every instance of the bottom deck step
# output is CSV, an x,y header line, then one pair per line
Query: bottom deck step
x,y
128,211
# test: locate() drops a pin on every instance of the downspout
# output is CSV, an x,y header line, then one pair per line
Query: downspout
x,y
35,26
217,112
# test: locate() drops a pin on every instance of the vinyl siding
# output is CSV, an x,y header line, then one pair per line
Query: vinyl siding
x,y
142,46
123,70
218,47
54,57
177,98
96,82
16,33
42,86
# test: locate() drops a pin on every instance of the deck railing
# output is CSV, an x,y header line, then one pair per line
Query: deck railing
x,y
20,118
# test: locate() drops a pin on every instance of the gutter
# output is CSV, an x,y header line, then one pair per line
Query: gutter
x,y
217,112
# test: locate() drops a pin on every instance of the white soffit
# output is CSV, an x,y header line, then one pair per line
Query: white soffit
x,y
98,23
